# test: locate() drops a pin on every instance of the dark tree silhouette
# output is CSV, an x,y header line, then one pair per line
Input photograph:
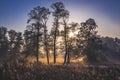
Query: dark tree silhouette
x,y
18,42
38,18
65,16
58,7
12,38
89,42
45,14
29,41
71,40
3,41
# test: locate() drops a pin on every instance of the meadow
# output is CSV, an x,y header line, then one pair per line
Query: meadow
x,y
38,71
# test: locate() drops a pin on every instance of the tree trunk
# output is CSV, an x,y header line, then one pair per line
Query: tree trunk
x,y
46,45
47,54
55,47
37,47
55,34
65,57
65,41
68,59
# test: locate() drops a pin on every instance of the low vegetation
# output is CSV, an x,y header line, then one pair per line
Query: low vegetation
x,y
38,71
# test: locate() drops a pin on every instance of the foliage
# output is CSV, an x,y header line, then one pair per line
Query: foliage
x,y
89,42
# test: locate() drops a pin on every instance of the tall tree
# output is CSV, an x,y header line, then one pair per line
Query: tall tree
x,y
65,16
36,19
58,7
45,14
71,40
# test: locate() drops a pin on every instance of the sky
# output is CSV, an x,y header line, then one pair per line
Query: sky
x,y
13,13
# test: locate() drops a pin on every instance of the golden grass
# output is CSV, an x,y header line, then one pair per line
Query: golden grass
x,y
59,60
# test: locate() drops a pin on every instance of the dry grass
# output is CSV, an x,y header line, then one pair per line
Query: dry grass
x,y
16,71
59,60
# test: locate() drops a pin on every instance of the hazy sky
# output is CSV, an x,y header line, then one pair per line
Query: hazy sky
x,y
13,13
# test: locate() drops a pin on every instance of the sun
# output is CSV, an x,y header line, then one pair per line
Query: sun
x,y
71,34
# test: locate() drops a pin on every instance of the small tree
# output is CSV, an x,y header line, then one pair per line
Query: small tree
x,y
29,41
19,42
3,41
12,39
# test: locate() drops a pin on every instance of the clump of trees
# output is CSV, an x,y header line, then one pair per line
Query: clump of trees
x,y
37,36
11,42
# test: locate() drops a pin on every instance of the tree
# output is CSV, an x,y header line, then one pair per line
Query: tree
x,y
90,43
12,39
71,40
18,42
58,7
29,41
65,16
36,18
39,17
15,44
45,16
3,41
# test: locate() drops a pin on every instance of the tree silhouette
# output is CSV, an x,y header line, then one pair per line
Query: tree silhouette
x,y
18,43
38,17
3,41
71,40
89,42
12,38
65,16
58,7
45,14
29,41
